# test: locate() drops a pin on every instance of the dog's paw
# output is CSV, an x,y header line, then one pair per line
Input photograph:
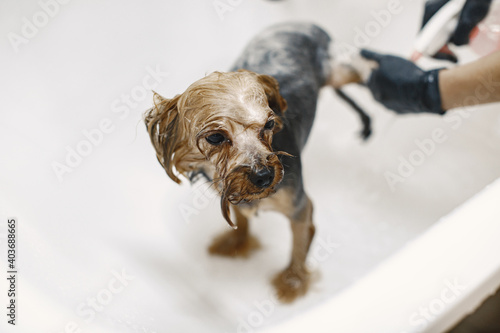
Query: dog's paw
x,y
291,283
231,244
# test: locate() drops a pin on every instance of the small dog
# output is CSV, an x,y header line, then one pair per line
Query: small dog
x,y
244,130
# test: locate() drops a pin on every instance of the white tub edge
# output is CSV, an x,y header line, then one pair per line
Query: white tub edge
x,y
463,246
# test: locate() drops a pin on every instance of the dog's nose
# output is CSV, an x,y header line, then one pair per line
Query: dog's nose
x,y
262,178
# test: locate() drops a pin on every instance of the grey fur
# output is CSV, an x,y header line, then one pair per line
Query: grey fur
x,y
296,55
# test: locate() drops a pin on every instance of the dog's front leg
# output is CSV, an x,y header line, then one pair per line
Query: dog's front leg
x,y
235,243
294,280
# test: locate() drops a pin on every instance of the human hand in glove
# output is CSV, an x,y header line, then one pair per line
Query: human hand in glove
x,y
402,86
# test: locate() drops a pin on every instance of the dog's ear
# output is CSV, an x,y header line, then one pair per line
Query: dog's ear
x,y
162,123
276,102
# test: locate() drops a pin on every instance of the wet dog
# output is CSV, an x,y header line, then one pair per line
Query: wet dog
x,y
244,130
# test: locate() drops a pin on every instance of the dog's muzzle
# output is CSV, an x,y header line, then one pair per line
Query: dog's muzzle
x,y
262,178
245,184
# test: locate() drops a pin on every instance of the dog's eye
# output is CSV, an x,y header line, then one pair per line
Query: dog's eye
x,y
269,125
216,139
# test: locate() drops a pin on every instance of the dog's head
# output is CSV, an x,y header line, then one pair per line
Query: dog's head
x,y
223,125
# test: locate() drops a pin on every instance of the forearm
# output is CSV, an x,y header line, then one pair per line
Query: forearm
x,y
475,83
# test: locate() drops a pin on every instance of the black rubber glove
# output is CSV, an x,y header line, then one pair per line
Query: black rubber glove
x,y
474,11
402,86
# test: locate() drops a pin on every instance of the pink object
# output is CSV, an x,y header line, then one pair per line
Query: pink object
x,y
487,37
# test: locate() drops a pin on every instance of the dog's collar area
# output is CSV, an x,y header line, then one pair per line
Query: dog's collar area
x,y
195,176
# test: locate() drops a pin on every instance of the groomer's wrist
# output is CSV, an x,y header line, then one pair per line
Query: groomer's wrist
x,y
433,102
445,83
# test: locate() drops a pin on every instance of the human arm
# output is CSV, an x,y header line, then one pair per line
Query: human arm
x,y
405,88
474,83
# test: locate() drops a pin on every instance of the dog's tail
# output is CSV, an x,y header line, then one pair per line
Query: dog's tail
x,y
365,118
351,68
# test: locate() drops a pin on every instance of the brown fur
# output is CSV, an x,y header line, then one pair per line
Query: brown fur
x,y
236,105
235,243
294,280
216,104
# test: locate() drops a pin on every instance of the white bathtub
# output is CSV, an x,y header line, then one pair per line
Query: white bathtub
x,y
380,253
428,285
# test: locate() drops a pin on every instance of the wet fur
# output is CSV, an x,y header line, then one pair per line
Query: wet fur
x,y
278,76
